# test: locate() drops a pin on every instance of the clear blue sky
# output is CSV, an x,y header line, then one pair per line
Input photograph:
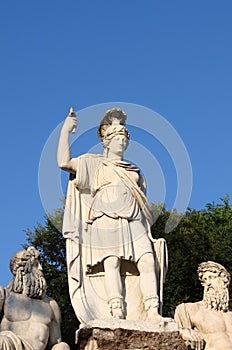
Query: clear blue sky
x,y
172,57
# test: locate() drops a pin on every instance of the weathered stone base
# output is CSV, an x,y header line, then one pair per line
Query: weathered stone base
x,y
120,335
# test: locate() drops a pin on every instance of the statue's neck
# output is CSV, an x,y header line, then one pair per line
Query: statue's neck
x,y
112,156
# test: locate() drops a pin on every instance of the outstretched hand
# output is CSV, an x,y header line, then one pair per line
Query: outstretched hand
x,y
193,338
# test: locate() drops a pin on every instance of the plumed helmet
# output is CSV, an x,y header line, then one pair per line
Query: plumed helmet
x,y
22,258
112,123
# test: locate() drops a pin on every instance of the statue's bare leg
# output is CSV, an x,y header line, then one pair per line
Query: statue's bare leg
x,y
148,285
113,286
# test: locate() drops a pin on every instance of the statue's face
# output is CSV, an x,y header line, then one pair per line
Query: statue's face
x,y
37,266
211,280
118,144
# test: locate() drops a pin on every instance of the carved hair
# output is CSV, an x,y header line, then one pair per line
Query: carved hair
x,y
214,299
26,280
23,259
216,268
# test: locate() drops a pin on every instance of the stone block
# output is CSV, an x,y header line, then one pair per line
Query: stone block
x,y
130,335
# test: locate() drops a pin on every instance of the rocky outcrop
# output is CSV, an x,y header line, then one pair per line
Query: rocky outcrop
x,y
123,335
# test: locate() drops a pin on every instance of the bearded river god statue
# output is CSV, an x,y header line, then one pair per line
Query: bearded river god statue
x,y
207,324
115,268
29,319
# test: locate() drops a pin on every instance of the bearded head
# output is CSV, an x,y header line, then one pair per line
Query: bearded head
x,y
215,279
28,276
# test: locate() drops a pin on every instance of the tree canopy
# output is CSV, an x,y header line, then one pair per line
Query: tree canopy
x,y
201,235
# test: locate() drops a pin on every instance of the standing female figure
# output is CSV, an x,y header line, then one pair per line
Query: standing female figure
x,y
107,223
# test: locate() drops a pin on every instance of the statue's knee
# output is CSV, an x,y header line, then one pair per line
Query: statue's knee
x,y
61,346
111,263
146,263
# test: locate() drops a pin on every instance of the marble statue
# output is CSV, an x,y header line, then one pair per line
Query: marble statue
x,y
29,319
207,324
115,270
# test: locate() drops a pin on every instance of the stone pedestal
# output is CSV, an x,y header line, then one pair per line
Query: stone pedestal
x,y
131,335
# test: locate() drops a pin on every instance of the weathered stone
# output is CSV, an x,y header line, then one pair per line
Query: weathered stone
x,y
29,319
94,338
207,324
115,267
133,335
163,325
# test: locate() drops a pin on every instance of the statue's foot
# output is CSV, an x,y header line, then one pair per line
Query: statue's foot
x,y
154,316
151,304
118,314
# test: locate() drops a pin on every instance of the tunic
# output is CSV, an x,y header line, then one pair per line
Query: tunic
x,y
106,212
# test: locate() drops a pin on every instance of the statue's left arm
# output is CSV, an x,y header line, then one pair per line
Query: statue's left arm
x,y
55,341
187,329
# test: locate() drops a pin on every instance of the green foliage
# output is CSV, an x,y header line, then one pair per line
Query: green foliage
x,y
49,241
200,236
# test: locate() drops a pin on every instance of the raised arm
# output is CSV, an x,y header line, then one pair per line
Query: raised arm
x,y
64,160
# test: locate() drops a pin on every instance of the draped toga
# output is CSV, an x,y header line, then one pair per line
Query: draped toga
x,y
106,213
11,341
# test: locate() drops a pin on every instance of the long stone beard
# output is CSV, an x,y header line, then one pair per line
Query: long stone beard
x,y
32,284
216,300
